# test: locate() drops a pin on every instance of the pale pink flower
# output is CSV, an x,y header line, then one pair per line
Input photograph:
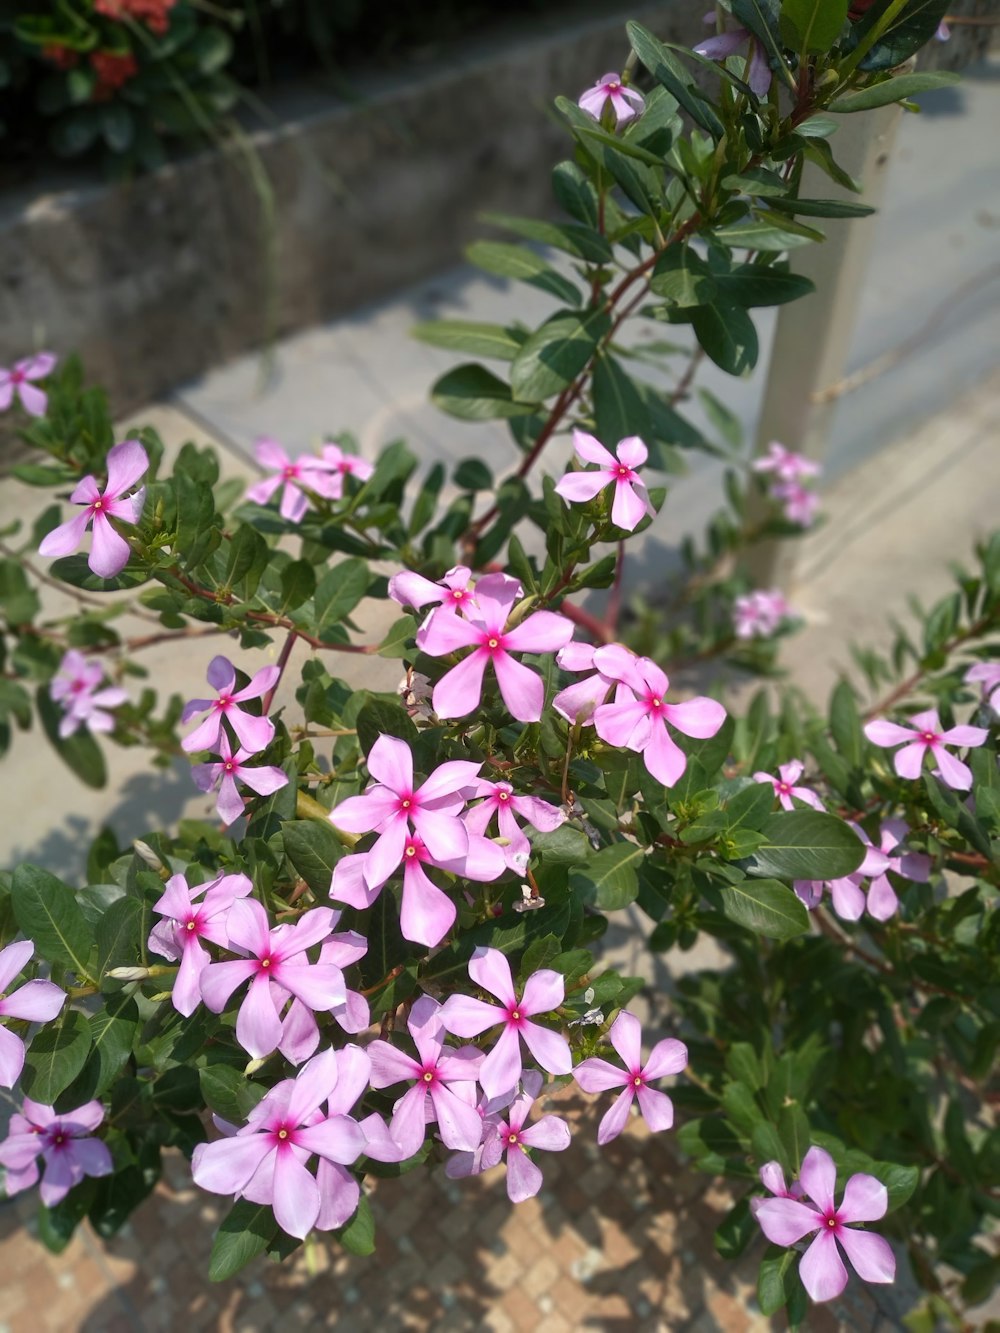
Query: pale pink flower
x,y
549,1134
785,1221
543,991
277,969
986,675
455,590
267,1160
638,717
34,1002
577,702
343,465
109,552
596,1075
631,501
502,801
74,688
728,44
263,779
625,103
757,614
772,1177
848,892
295,477
482,628
785,463
785,788
254,733
432,1075
186,923
19,382
926,737
800,505
65,1144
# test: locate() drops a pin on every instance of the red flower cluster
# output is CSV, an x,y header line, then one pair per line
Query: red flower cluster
x,y
151,12
113,70
61,56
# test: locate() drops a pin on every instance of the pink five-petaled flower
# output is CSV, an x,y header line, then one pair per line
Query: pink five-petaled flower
x,y
343,465
987,675
640,723
277,969
35,1002
631,502
455,589
296,476
727,44
772,1177
65,1144
436,1068
466,1017
74,688
800,505
577,702
253,732
17,382
757,614
625,103
785,788
109,552
925,735
785,1221
848,895
785,463
550,1134
502,801
264,779
266,1160
186,923
482,628
595,1075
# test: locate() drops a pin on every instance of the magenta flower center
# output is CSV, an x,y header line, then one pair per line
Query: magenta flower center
x,y
429,1074
503,795
654,703
17,376
78,686
623,473
493,643
458,594
229,765
637,1080
408,803
511,1139
514,1015
266,963
929,737
785,788
58,1139
290,472
832,1220
97,506
224,702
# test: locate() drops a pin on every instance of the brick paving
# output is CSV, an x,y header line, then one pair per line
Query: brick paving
x,y
618,1241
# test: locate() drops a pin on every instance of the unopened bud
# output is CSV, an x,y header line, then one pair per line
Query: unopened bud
x,y
145,853
128,973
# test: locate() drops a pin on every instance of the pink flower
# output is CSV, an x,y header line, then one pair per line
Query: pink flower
x,y
482,628
773,1179
727,44
577,702
64,1143
784,785
19,383
109,552
295,477
785,463
431,1074
631,502
466,1017
74,687
800,505
758,614
34,1002
849,901
267,1160
277,969
640,722
550,1134
943,33
502,801
186,923
264,779
596,1075
455,590
926,737
785,1221
253,732
987,675
344,465
625,103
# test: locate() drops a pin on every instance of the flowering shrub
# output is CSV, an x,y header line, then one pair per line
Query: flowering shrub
x,y
387,943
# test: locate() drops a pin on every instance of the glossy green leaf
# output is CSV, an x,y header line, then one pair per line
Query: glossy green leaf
x,y
807,844
583,242
524,265
470,337
313,849
555,354
750,285
812,26
56,1055
682,277
893,90
473,393
246,1231
337,594
668,70
727,335
610,880
48,913
765,907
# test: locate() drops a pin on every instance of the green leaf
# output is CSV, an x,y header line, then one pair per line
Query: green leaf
x,y
358,1236
734,1234
845,724
727,334
911,29
470,337
762,17
575,193
298,584
228,1092
555,354
524,265
683,277
751,285
74,570
473,393
381,718
118,935
892,90
775,1267
609,879
766,907
807,844
758,182
752,234
211,49
56,1055
337,594
48,913
313,849
584,242
668,71
472,474
112,1032
619,408
812,26
18,599
900,1183
80,752
246,1231
399,638
822,208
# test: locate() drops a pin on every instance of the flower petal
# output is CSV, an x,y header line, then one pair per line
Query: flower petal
x,y
588,446
819,1178
785,1221
490,970
127,462
821,1269
521,688
109,552
459,690
870,1254
615,1118
550,1049
865,1199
